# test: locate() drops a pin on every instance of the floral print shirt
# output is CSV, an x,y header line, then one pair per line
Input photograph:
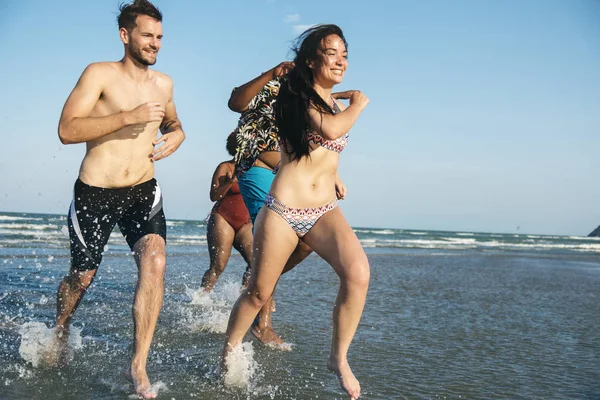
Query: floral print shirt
x,y
256,131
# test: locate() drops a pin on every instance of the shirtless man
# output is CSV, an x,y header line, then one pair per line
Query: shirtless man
x,y
117,108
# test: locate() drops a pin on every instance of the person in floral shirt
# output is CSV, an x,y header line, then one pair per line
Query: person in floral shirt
x,y
257,155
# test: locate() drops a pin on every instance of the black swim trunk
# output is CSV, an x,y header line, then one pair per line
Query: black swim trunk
x,y
95,211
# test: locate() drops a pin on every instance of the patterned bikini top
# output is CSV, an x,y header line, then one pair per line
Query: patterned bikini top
x,y
336,145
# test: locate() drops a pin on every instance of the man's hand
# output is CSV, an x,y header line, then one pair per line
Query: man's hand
x,y
281,69
171,142
151,111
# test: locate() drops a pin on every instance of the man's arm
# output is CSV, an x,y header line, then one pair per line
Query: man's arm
x,y
76,126
241,96
171,129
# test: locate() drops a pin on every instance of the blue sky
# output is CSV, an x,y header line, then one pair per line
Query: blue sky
x,y
484,115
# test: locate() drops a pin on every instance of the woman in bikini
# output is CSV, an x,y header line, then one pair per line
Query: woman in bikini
x,y
229,223
302,202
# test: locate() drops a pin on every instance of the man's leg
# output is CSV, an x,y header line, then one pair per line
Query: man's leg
x,y
70,292
87,239
150,257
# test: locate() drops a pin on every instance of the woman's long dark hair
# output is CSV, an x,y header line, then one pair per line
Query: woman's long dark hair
x,y
297,94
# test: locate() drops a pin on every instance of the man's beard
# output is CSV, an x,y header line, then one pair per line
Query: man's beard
x,y
137,55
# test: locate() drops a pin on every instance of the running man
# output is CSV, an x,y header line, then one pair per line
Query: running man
x,y
117,108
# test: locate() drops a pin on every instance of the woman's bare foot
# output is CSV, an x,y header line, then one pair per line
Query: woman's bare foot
x,y
348,381
266,335
140,381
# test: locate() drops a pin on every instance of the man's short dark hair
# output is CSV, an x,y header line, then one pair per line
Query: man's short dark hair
x,y
129,13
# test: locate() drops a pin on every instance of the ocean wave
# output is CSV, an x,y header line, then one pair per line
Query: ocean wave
x,y
189,237
185,223
51,231
461,244
11,218
543,245
583,238
175,223
421,244
55,233
28,226
375,231
460,241
186,242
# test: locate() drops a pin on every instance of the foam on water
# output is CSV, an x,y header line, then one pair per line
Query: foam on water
x,y
37,340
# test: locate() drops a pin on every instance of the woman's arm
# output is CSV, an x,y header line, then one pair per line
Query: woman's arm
x,y
221,181
337,125
241,96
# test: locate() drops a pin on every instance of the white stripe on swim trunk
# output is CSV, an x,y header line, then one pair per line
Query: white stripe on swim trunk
x,y
156,196
75,222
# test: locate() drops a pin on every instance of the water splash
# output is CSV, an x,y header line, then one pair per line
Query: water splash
x,y
241,367
38,342
210,311
152,390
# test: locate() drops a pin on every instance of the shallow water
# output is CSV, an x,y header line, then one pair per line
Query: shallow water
x,y
454,324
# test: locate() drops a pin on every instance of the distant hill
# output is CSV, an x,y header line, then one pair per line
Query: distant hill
x,y
595,232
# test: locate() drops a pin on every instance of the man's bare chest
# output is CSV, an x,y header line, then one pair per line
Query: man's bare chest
x,y
122,96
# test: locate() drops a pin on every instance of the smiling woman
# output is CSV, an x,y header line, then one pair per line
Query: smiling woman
x,y
313,130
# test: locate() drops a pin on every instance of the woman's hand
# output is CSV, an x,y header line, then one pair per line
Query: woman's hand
x,y
281,69
357,97
340,188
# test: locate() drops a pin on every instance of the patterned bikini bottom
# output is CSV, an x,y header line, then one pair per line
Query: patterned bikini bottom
x,y
300,219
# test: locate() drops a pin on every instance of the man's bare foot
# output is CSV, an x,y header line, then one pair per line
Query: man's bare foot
x,y
266,335
140,381
58,353
347,380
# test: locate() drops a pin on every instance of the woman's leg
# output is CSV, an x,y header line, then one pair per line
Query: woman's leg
x,y
219,235
274,241
333,239
243,244
262,327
